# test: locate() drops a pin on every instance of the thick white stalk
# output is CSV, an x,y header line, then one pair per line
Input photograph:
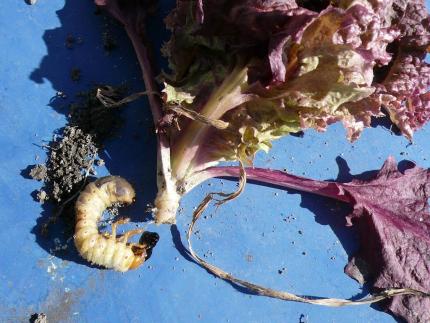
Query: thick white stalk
x,y
167,200
166,206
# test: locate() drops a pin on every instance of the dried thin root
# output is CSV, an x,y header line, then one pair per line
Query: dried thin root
x,y
105,97
108,250
264,291
193,115
219,201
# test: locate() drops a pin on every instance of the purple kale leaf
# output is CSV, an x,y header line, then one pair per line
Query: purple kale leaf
x,y
392,215
402,85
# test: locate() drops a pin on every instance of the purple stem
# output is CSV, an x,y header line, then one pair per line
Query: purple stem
x,y
133,24
279,178
136,36
163,152
142,54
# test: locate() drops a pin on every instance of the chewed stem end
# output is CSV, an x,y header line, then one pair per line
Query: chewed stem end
x,y
166,206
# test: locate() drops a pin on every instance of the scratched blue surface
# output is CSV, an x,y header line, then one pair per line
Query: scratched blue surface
x,y
254,237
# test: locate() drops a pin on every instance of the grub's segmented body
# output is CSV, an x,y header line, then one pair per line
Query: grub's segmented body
x,y
106,249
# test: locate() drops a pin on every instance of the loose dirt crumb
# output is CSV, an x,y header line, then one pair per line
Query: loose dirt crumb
x,y
61,94
100,162
38,318
38,172
42,196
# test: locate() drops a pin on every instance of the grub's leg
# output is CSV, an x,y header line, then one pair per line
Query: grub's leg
x,y
116,223
129,234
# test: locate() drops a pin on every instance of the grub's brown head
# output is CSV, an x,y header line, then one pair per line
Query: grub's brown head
x,y
143,250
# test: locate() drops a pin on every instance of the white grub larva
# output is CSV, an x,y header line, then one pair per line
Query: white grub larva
x,y
105,249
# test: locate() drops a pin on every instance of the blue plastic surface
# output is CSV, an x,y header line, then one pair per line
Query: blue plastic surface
x,y
284,240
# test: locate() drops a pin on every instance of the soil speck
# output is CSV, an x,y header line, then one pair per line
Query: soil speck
x,y
100,162
42,196
303,318
38,318
70,41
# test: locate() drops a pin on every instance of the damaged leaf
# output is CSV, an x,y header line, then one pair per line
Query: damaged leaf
x,y
392,215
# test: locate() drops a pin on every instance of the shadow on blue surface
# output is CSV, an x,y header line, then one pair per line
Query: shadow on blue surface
x,y
183,251
385,123
327,212
98,67
177,241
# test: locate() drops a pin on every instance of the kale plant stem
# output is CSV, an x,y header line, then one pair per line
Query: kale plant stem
x,y
165,183
274,177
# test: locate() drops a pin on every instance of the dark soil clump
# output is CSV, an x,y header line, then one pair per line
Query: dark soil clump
x,y
93,117
72,155
69,162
